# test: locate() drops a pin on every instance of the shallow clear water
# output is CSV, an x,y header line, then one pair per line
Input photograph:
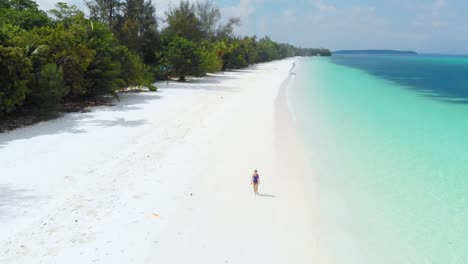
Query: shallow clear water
x,y
388,141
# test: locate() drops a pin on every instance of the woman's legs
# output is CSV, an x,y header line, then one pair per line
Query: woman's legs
x,y
256,188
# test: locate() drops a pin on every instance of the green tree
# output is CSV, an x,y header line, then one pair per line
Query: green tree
x,y
227,31
209,17
139,29
211,62
15,74
22,13
184,58
236,57
267,50
74,55
51,87
105,11
114,66
250,44
150,39
9,34
66,14
183,22
136,74
104,72
19,4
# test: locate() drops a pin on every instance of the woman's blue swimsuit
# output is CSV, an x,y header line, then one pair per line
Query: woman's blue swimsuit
x,y
255,179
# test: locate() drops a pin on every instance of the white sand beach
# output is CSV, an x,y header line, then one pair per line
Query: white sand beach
x,y
163,178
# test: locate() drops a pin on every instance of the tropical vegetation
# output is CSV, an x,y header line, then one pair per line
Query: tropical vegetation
x,y
49,59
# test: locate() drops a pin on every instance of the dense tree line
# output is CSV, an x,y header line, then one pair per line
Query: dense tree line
x,y
47,59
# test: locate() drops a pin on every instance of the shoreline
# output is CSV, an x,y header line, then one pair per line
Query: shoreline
x,y
288,84
300,223
161,174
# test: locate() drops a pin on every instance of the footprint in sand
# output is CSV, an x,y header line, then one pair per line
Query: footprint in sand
x,y
92,212
69,178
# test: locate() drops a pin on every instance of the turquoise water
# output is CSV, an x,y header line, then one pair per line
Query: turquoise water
x,y
388,142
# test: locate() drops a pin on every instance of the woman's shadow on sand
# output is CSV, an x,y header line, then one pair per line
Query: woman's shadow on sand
x,y
266,195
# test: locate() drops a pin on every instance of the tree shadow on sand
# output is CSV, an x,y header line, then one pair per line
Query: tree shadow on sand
x,y
242,70
75,122
195,85
120,121
210,83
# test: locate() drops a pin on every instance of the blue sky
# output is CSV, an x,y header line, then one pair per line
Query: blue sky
x,y
436,26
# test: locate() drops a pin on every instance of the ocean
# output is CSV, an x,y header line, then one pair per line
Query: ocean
x,y
387,138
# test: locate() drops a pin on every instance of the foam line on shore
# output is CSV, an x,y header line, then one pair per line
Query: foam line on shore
x,y
285,89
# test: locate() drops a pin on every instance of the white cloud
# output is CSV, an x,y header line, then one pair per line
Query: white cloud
x,y
288,17
439,4
245,9
362,10
420,5
431,17
323,7
354,19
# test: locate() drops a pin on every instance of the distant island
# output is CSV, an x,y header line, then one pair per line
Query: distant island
x,y
376,52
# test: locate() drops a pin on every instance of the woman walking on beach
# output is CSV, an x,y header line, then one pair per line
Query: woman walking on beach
x,y
255,181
